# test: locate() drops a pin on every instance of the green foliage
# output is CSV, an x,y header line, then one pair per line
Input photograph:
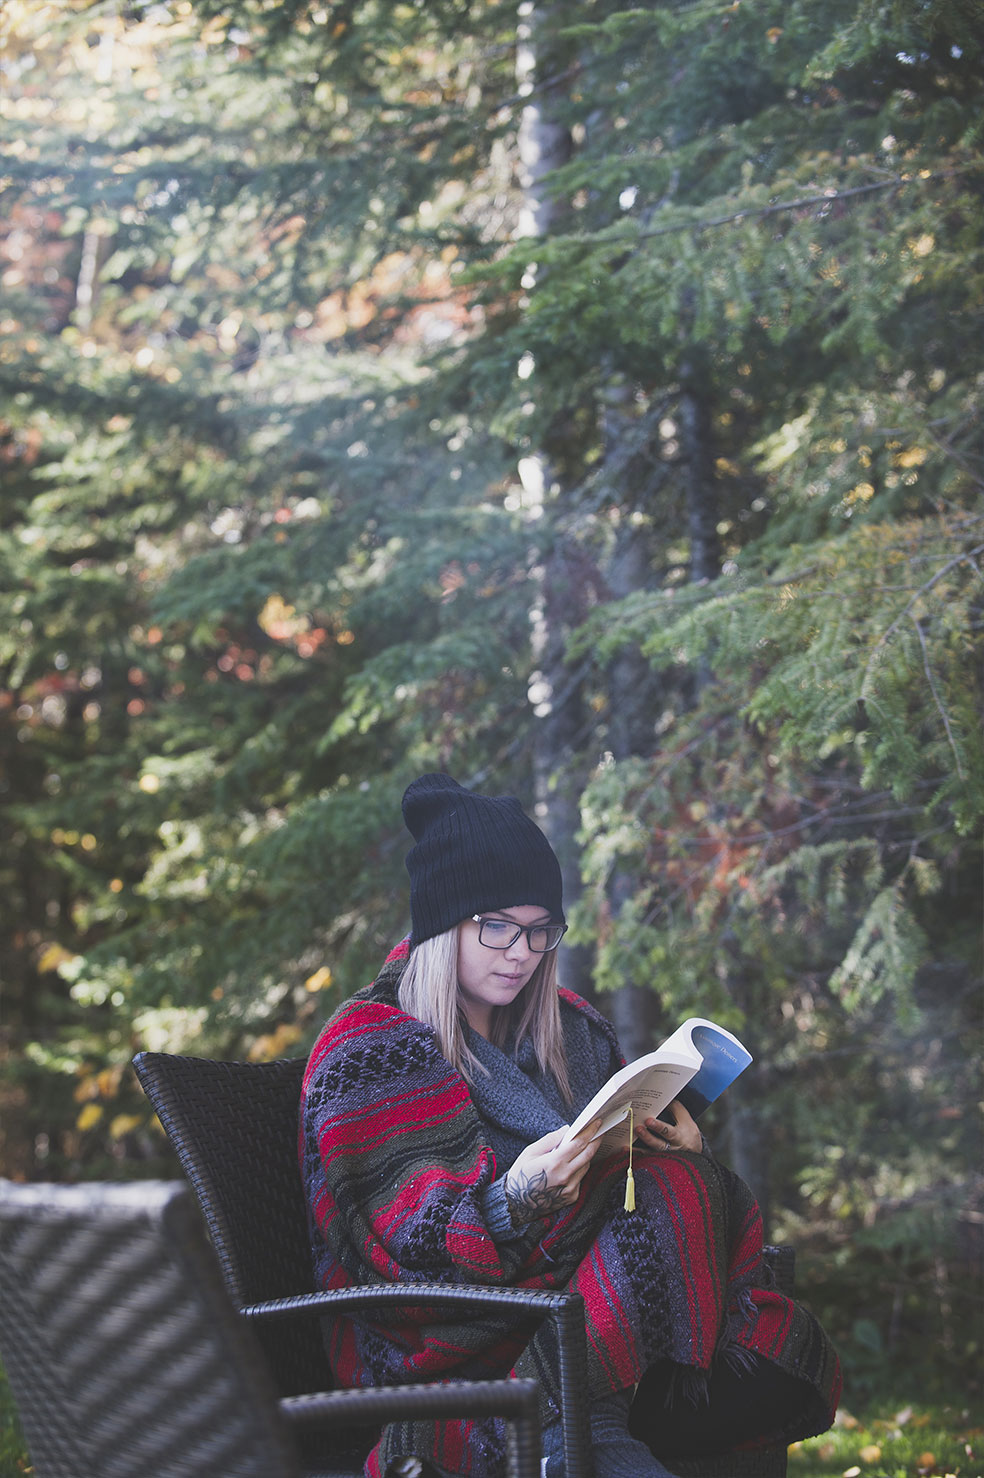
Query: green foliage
x,y
897,1440
273,351
13,1451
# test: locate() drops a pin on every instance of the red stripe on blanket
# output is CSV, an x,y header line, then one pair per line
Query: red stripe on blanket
x,y
472,1247
693,1229
747,1250
454,1444
362,1017
771,1323
606,1322
361,1128
406,1200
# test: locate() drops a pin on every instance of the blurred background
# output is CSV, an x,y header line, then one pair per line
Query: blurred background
x,y
583,400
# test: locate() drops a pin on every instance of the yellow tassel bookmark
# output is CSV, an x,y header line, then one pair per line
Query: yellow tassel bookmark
x,y
629,1177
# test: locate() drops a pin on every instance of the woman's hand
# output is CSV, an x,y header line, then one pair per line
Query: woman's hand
x,y
657,1134
547,1176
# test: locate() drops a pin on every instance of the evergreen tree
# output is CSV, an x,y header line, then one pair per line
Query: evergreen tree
x,y
344,439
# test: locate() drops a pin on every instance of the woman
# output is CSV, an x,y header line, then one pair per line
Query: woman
x,y
432,1114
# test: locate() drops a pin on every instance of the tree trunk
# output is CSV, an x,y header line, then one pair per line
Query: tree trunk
x,y
555,691
696,437
748,1138
633,690
558,733
92,243
748,1132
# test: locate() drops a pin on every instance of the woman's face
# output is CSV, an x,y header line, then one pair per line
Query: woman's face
x,y
495,977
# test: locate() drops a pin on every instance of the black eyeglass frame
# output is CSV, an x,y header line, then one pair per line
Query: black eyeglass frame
x,y
528,929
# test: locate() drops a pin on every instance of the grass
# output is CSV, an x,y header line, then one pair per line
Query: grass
x,y
909,1442
13,1462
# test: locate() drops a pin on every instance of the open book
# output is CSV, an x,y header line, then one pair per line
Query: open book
x,y
695,1064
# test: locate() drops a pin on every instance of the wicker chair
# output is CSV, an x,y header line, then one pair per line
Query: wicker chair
x,y
126,1357
234,1128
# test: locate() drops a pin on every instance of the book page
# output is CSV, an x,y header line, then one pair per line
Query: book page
x,y
695,1064
648,1084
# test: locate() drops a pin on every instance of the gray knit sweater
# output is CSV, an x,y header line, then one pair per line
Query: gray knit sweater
x,y
518,1102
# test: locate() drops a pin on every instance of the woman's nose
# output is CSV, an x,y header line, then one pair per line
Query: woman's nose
x,y
520,948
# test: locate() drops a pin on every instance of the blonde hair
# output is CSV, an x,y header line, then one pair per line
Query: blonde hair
x,y
429,990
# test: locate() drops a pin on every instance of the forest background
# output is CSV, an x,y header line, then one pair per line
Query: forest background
x,y
581,399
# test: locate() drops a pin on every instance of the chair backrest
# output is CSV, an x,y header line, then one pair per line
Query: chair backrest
x,y
123,1351
234,1127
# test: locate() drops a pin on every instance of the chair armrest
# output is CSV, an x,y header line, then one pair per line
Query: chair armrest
x,y
565,1311
517,1400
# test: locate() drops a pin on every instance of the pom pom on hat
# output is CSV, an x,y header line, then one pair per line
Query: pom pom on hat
x,y
472,854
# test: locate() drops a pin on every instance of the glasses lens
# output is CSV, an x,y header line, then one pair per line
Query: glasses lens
x,y
500,934
497,933
543,940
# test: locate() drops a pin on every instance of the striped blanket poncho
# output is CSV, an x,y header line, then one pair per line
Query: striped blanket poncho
x,y
397,1166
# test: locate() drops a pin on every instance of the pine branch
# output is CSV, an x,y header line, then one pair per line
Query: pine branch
x,y
967,556
829,196
819,818
936,697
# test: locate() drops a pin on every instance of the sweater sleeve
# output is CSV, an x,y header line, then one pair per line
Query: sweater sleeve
x,y
494,1206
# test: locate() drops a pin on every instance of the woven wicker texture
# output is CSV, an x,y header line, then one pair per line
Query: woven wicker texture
x,y
127,1359
123,1353
234,1128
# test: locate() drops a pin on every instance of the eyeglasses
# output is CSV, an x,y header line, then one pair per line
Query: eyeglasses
x,y
501,933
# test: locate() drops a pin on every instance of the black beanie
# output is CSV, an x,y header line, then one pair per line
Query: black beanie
x,y
473,853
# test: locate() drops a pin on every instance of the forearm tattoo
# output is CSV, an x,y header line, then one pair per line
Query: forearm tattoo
x,y
529,1196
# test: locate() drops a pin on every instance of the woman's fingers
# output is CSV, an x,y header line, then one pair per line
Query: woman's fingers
x,y
655,1134
585,1147
548,1173
683,1134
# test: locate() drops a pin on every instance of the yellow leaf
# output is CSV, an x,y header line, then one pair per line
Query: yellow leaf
x,y
109,1081
320,980
53,956
285,1036
280,620
124,1124
273,1044
89,1116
